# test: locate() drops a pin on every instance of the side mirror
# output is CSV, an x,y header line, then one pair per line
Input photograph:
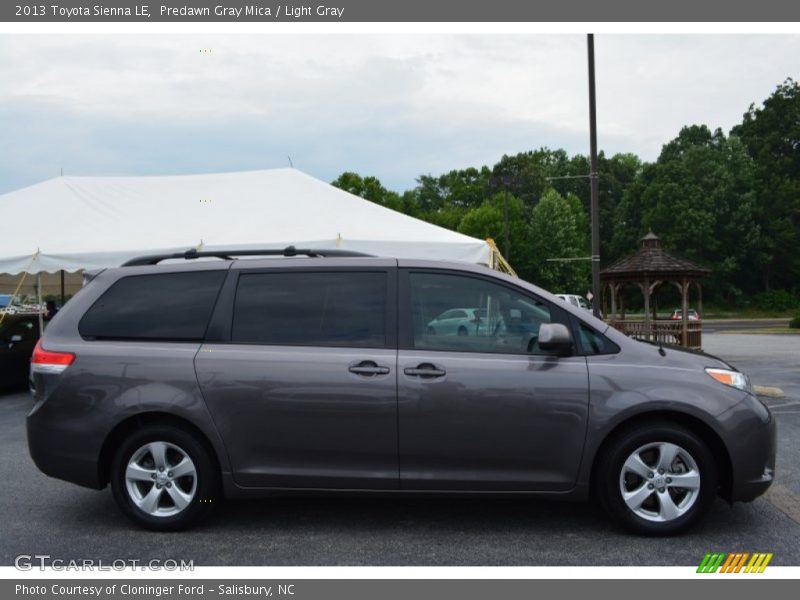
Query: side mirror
x,y
555,338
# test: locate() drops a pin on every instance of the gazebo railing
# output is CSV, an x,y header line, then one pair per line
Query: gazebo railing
x,y
661,331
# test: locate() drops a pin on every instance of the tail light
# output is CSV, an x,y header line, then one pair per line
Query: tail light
x,y
47,361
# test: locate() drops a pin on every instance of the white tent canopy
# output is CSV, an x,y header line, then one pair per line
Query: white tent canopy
x,y
74,223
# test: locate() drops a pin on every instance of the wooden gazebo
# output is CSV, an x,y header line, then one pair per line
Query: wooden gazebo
x,y
648,269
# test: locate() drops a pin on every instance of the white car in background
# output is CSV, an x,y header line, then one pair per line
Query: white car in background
x,y
459,321
578,301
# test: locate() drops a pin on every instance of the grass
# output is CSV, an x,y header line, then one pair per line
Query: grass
x,y
781,330
713,313
748,313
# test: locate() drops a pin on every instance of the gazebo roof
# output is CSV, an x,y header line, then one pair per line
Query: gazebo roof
x,y
652,260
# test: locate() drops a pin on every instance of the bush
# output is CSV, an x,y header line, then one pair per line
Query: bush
x,y
795,323
777,300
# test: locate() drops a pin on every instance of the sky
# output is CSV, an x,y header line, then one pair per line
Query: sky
x,y
393,106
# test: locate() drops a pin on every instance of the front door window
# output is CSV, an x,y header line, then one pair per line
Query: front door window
x,y
466,314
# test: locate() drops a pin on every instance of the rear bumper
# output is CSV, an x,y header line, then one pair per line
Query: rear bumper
x,y
57,453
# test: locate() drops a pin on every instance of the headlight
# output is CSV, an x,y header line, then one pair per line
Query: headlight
x,y
732,378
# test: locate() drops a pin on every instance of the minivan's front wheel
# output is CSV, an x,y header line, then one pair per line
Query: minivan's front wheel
x,y
657,479
163,478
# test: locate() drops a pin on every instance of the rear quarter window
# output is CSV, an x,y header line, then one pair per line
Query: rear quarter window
x,y
163,306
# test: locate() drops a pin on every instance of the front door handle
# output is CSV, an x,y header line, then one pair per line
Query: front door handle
x,y
368,368
425,370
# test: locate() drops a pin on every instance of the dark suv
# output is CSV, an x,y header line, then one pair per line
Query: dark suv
x,y
18,336
180,384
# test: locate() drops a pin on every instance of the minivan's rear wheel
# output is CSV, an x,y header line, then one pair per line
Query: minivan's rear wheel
x,y
657,479
163,478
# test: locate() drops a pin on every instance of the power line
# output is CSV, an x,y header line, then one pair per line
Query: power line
x,y
568,177
569,259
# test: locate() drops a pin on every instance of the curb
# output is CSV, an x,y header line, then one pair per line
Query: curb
x,y
769,392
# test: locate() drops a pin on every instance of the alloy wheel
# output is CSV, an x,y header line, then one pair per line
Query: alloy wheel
x,y
161,479
660,482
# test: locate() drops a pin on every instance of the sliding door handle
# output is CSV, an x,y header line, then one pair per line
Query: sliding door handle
x,y
368,368
425,370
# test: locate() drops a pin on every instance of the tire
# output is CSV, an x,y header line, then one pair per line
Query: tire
x,y
664,507
186,494
462,331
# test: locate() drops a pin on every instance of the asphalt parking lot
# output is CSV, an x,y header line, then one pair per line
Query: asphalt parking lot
x,y
40,515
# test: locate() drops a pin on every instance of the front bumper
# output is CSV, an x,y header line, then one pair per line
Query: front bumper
x,y
753,449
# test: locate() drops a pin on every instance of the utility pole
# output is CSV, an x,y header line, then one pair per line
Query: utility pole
x,y
595,184
501,182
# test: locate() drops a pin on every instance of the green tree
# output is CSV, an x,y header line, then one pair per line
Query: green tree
x,y
617,174
525,175
447,216
559,229
771,134
528,174
698,197
488,221
370,188
463,188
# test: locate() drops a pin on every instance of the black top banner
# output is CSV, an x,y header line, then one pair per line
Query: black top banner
x,y
400,11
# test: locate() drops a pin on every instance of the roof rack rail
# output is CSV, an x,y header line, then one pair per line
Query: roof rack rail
x,y
154,259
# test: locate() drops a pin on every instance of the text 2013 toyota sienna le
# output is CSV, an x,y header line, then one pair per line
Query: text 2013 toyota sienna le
x,y
180,384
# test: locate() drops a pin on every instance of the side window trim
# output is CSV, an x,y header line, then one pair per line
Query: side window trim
x,y
221,321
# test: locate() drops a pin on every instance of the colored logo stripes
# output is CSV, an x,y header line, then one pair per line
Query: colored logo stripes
x,y
735,562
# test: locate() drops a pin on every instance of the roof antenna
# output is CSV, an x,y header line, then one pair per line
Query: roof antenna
x,y
291,164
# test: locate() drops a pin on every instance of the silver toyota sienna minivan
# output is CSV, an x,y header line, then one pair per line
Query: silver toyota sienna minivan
x,y
182,382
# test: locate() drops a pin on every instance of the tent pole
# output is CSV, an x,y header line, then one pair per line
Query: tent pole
x,y
62,288
39,300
